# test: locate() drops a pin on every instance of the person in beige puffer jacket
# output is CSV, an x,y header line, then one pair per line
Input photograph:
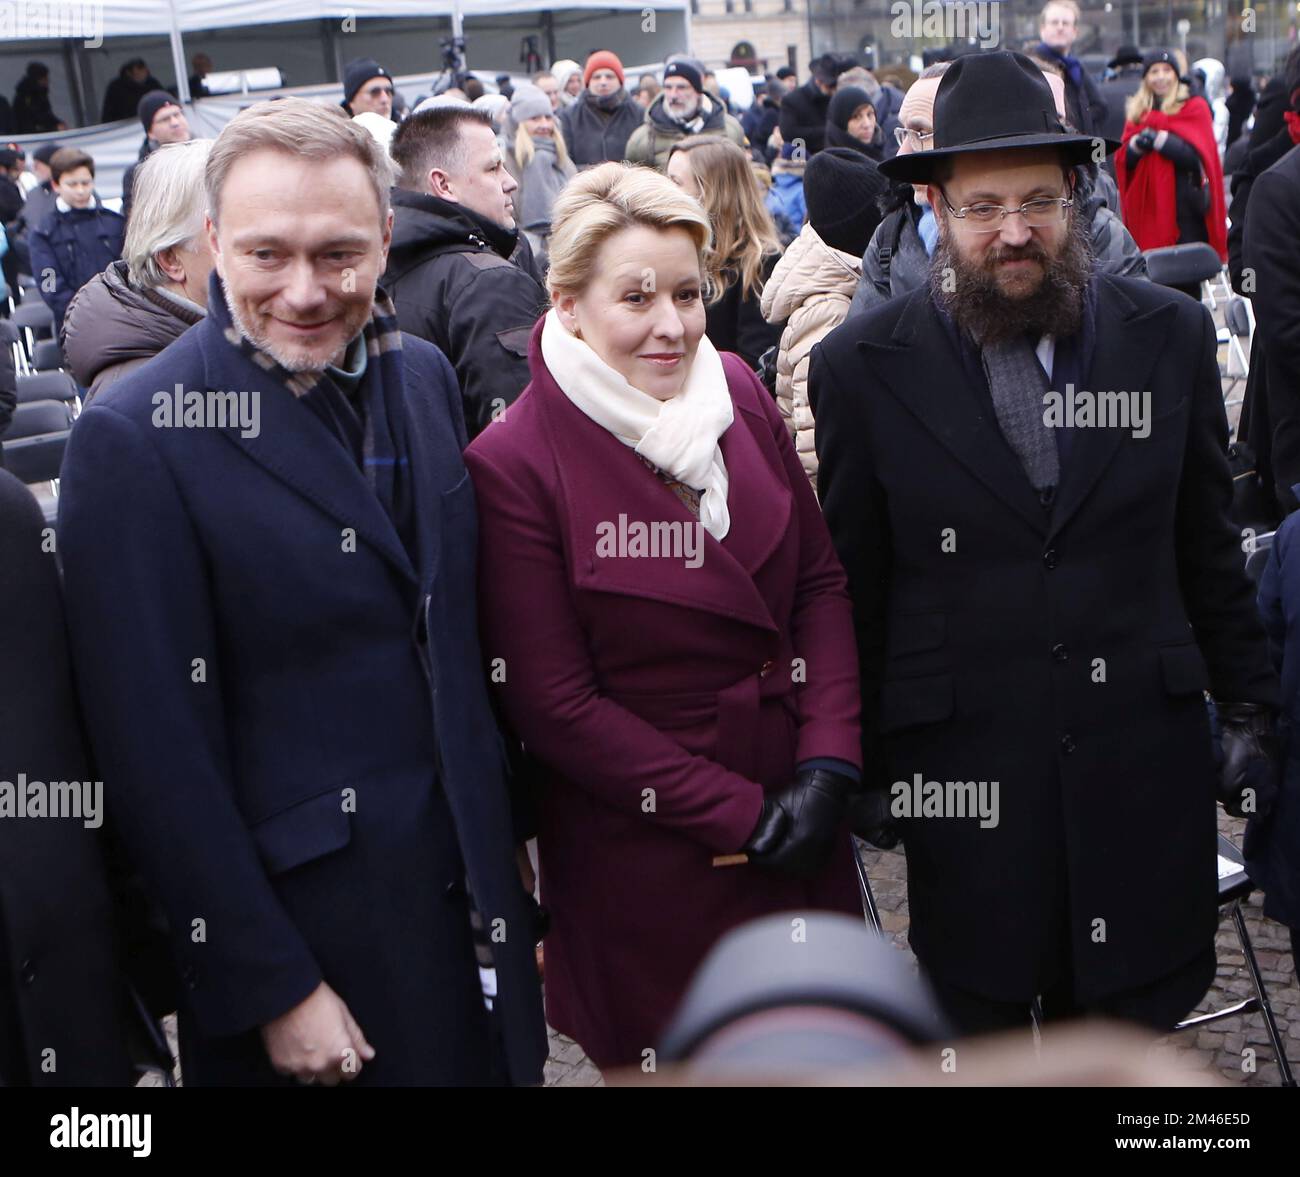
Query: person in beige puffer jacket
x,y
813,284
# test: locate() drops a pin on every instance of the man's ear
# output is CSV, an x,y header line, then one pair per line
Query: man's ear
x,y
170,265
439,185
211,229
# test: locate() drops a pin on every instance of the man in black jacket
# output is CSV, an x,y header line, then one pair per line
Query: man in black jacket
x,y
1058,28
1272,255
122,98
803,110
450,268
164,122
1044,583
599,122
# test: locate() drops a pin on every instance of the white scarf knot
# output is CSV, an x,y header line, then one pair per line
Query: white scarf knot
x,y
679,436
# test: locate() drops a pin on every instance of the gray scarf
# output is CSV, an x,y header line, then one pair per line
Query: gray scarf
x,y
539,185
1018,383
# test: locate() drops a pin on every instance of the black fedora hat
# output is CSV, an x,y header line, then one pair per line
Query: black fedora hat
x,y
1125,55
992,102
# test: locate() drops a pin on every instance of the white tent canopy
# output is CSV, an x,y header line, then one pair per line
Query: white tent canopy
x,y
150,17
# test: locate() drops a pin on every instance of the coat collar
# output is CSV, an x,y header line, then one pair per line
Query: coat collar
x,y
921,366
601,478
295,446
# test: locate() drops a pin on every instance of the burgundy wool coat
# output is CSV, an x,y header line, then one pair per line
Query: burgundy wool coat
x,y
660,700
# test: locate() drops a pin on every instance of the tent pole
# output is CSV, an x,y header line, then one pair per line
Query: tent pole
x,y
458,30
178,60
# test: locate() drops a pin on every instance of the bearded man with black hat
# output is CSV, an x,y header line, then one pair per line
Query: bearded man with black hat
x,y
1023,468
681,109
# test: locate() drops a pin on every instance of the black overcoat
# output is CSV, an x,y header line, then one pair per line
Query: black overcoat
x,y
1062,653
64,1007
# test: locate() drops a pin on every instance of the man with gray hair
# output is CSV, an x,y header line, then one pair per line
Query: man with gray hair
x,y
268,541
127,314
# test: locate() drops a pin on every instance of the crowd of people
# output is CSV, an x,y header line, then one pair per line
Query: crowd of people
x,y
564,513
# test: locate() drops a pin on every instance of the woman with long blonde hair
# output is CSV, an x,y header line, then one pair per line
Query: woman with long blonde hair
x,y
745,243
1169,172
539,161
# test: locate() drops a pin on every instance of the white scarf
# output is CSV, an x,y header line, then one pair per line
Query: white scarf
x,y
680,435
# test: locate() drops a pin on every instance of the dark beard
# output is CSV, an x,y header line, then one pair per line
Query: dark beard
x,y
981,309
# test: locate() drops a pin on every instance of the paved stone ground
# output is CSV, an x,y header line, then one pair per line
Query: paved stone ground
x,y
1220,1047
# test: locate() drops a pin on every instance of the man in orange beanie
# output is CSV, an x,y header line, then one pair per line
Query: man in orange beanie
x,y
597,125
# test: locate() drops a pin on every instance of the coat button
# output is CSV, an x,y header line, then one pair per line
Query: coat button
x,y
28,971
454,890
1067,743
766,668
1060,653
190,975
1050,558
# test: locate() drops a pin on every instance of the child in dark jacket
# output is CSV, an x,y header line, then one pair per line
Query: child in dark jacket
x,y
79,239
1273,838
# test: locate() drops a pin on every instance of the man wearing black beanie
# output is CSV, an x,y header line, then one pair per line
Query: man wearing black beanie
x,y
367,86
163,121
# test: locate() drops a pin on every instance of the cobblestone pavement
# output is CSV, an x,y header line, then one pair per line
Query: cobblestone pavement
x,y
1220,1047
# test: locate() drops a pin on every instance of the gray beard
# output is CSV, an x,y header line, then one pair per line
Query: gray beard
x,y
981,309
287,362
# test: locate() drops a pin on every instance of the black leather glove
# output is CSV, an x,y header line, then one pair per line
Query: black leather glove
x,y
1248,779
870,819
797,829
1143,141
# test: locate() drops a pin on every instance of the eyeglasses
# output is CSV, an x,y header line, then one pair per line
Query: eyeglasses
x,y
376,91
921,140
987,218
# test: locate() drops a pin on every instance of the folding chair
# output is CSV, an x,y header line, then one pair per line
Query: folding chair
x,y
1257,556
1235,885
1194,263
36,459
1239,321
34,320
35,417
47,355
49,386
869,909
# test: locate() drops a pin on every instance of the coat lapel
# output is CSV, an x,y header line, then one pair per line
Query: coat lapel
x,y
1125,351
602,480
920,367
294,445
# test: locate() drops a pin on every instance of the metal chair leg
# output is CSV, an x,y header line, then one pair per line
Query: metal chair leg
x,y
1266,1009
869,909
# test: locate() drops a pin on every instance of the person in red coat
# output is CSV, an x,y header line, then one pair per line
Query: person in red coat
x,y
666,621
1169,172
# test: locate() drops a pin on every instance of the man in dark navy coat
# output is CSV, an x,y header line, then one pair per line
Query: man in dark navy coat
x,y
1024,471
268,539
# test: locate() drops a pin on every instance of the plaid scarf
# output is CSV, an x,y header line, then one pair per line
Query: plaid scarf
x,y
374,427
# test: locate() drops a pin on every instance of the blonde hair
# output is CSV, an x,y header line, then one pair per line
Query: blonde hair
x,y
298,127
604,200
744,234
1144,100
524,149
